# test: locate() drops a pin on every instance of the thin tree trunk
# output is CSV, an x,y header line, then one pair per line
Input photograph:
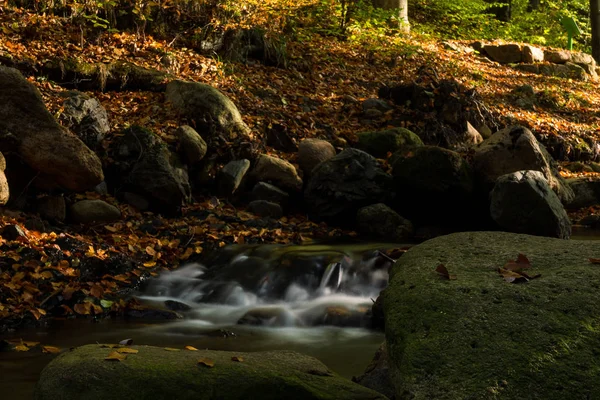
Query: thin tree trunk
x,y
401,4
595,20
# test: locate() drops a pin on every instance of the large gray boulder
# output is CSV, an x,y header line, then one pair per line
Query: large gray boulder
x,y
479,336
379,221
523,202
345,183
586,192
516,149
504,53
213,112
145,166
86,117
28,128
90,211
279,172
312,152
154,373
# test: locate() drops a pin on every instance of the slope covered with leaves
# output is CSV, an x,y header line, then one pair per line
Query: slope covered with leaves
x,y
317,91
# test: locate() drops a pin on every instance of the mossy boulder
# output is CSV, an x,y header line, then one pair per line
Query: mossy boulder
x,y
379,143
155,373
480,337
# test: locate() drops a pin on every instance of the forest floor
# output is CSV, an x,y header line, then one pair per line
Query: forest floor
x,y
329,73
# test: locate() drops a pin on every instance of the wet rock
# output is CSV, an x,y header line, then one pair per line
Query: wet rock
x,y
381,222
311,152
213,112
174,305
47,147
465,327
94,211
86,117
377,374
516,149
434,185
265,209
232,175
345,183
344,317
155,373
13,232
151,314
278,171
268,192
268,316
379,143
52,208
191,145
523,202
4,190
586,190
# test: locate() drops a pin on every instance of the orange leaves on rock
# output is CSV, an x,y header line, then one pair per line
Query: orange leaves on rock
x,y
207,362
442,271
87,308
513,270
115,356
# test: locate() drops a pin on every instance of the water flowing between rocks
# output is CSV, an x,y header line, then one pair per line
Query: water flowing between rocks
x,y
314,299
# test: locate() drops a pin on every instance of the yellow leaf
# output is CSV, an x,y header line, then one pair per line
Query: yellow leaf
x,y
150,251
115,356
50,349
207,362
21,347
111,228
127,350
190,348
171,349
150,264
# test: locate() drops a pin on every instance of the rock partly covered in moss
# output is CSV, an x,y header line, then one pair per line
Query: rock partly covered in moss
x,y
480,337
156,373
379,143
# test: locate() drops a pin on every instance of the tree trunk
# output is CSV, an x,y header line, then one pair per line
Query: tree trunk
x,y
595,20
401,4
533,5
502,13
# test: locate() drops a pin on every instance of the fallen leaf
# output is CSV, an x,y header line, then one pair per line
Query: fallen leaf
x,y
21,347
190,348
50,349
237,358
127,350
171,349
115,356
595,260
207,362
443,273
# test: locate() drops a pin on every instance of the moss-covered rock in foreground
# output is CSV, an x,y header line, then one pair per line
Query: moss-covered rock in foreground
x,y
155,373
480,337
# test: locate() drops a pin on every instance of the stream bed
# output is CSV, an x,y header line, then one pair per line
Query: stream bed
x,y
313,299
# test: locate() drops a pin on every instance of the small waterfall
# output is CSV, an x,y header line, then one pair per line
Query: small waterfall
x,y
280,286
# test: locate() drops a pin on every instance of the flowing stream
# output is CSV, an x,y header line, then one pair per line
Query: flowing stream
x,y
313,299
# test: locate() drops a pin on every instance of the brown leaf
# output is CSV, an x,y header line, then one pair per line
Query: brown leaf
x,y
595,260
512,276
237,359
443,272
115,356
207,362
50,349
21,347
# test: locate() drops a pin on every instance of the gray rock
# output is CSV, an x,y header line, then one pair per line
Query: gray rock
x,y
146,167
379,143
52,208
345,183
86,117
278,171
264,209
377,374
268,192
4,190
532,68
587,192
231,176
583,59
532,54
504,53
311,152
381,222
156,373
516,149
433,185
191,145
523,202
481,337
40,141
376,104
98,211
557,56
213,112
567,70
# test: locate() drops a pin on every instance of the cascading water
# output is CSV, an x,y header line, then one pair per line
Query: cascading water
x,y
275,286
